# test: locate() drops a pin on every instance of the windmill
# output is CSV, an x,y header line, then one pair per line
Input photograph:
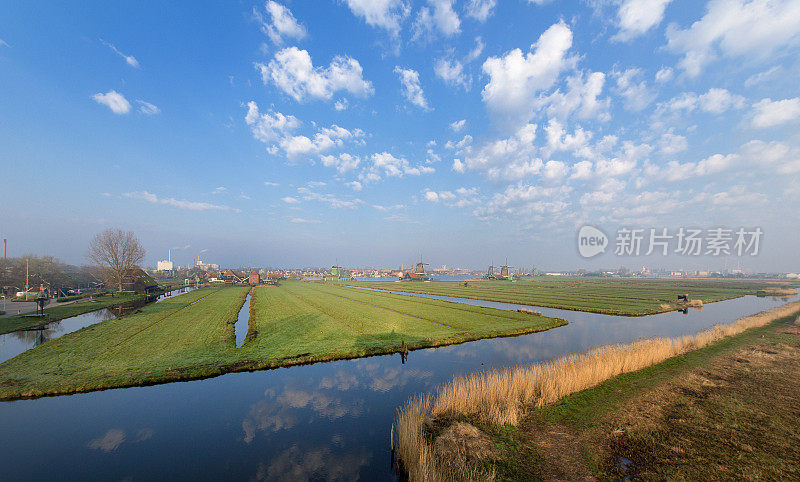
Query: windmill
x,y
505,271
417,273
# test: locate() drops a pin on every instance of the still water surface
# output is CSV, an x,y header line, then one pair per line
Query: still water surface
x,y
323,421
14,343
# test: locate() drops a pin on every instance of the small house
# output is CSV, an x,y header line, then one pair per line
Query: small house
x,y
254,278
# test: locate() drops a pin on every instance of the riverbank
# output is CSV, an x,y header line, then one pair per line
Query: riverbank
x,y
508,425
58,312
608,296
192,336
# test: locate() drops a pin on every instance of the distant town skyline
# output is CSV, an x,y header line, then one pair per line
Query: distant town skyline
x,y
295,133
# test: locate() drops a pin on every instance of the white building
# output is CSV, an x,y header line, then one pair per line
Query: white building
x,y
164,265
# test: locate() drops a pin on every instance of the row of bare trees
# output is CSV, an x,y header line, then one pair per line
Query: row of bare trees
x,y
114,255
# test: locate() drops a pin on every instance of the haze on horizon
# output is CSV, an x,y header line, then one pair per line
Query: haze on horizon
x,y
301,133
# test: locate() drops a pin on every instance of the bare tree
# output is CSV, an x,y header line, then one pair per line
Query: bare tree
x,y
117,253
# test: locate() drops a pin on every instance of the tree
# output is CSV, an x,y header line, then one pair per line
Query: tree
x,y
117,253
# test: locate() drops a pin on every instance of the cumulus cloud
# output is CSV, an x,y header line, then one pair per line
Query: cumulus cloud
x,y
635,17
292,71
386,14
753,30
715,101
343,162
664,75
516,78
581,97
480,10
767,113
385,164
451,71
672,143
114,101
460,198
270,126
182,204
442,19
636,95
458,125
412,90
279,23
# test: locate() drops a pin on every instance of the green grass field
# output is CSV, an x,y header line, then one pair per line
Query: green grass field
x,y
192,336
56,312
611,296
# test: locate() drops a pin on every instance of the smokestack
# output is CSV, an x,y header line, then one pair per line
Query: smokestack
x,y
5,242
169,255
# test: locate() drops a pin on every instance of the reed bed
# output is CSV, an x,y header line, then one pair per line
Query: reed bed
x,y
499,397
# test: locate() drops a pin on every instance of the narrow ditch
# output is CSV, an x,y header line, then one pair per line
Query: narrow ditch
x,y
243,321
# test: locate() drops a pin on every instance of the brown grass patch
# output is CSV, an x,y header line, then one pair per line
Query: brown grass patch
x,y
500,397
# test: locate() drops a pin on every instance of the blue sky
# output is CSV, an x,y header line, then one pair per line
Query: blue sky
x,y
297,133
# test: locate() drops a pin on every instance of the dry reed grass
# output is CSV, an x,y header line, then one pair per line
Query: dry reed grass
x,y
499,397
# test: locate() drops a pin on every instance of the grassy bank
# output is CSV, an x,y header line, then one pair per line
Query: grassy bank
x,y
611,296
507,423
178,339
55,313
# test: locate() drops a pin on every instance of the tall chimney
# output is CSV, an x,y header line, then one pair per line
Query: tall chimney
x,y
5,242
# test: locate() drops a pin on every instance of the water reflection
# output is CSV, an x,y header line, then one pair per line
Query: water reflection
x,y
322,421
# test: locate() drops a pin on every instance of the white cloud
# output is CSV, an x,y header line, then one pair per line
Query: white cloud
x,y
511,158
330,199
635,17
463,143
386,164
765,76
281,23
458,125
443,18
777,155
462,197
271,126
476,51
412,91
147,108
767,113
3,43
385,14
190,205
555,170
129,59
354,185
582,170
672,143
114,101
715,101
718,101
304,221
664,75
480,10
343,162
341,104
636,95
271,184
451,71
290,200
516,78
754,30
292,71
581,97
